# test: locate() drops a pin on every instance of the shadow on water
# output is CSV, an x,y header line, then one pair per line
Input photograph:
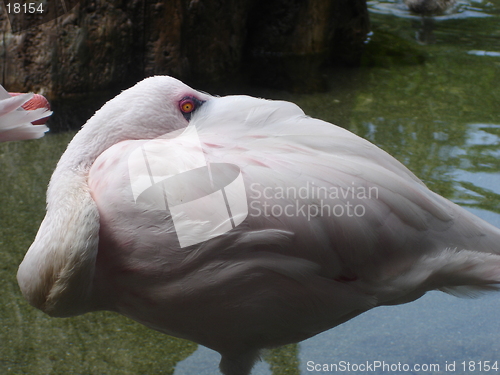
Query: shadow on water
x,y
434,106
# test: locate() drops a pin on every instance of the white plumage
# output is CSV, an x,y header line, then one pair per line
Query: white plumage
x,y
334,225
15,122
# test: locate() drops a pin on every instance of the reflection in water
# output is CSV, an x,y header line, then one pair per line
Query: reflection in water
x,y
478,177
434,107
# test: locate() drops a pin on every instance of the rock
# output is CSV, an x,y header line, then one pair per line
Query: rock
x,y
88,49
290,40
108,45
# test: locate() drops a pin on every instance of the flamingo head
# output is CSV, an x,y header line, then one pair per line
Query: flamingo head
x,y
152,108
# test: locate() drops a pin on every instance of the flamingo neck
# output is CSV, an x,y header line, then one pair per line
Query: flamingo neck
x,y
57,272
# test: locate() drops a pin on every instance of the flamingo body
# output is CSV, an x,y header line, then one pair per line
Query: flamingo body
x,y
291,264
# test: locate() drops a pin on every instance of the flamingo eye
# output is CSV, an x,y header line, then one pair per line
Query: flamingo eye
x,y
187,105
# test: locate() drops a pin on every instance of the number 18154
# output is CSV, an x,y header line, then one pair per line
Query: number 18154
x,y
17,8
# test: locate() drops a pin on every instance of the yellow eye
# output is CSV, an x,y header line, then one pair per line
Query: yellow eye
x,y
187,106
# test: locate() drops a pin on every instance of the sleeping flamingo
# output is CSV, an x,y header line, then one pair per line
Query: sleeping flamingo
x,y
22,116
240,223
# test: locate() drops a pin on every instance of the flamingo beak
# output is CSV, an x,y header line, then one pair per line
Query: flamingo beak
x,y
38,101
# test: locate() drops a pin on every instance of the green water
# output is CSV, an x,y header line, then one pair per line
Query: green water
x,y
434,105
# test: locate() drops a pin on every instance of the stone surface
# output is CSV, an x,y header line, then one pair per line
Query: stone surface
x,y
104,46
290,40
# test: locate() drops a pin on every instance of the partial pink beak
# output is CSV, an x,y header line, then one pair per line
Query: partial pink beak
x,y
38,101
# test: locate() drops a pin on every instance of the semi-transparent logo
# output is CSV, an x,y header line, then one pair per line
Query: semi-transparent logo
x,y
205,200
24,14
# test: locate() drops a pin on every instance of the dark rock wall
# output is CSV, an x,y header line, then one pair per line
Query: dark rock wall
x,y
290,40
108,45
